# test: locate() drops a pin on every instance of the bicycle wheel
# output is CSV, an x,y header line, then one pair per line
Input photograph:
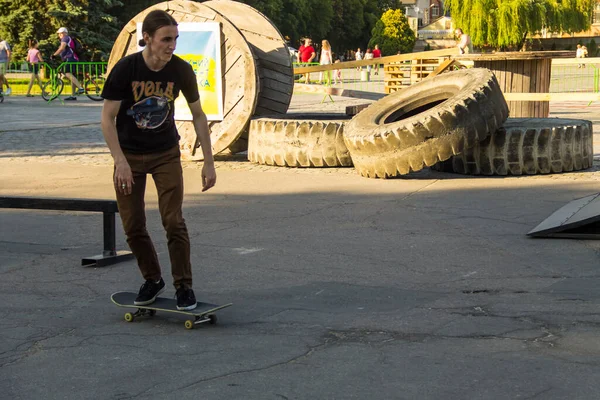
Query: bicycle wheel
x,y
93,88
52,89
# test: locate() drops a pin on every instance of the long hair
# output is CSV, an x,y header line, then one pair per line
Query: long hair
x,y
326,45
154,21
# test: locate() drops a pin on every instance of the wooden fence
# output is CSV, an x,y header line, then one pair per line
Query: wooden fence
x,y
406,69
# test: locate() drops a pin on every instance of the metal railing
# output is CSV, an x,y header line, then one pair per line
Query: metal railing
x,y
19,74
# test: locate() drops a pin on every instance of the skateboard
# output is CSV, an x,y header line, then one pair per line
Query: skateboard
x,y
204,312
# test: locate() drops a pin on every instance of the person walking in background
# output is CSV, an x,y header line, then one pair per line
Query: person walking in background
x,y
68,55
358,56
584,54
464,42
369,56
307,55
326,59
4,60
376,54
34,58
337,75
579,54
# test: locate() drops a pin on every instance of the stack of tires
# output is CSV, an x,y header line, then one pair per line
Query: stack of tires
x,y
454,122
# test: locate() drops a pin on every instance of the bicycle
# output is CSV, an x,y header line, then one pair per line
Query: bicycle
x,y
92,85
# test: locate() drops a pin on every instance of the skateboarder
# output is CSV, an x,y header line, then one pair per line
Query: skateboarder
x,y
139,129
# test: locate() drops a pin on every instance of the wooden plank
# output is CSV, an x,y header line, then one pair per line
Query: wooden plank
x,y
119,50
278,67
382,60
274,75
189,7
584,97
516,55
353,110
263,111
527,108
276,106
303,88
269,49
275,95
442,67
278,86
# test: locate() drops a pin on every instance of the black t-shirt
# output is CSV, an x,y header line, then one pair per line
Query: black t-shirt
x,y
145,122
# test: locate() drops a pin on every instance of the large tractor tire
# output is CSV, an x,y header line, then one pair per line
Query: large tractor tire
x,y
528,146
425,123
299,140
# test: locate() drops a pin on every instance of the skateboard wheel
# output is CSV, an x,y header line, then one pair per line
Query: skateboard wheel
x,y
189,324
152,312
212,319
128,317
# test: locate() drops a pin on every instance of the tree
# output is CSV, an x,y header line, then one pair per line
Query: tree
x,y
92,21
392,33
506,24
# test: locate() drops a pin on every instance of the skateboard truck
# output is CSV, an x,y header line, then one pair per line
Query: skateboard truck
x,y
189,324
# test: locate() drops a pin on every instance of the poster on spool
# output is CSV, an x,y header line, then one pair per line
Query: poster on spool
x,y
199,44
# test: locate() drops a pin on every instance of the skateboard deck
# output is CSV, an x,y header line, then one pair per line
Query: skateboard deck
x,y
204,312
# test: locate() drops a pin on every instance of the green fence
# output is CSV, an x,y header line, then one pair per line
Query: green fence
x,y
575,76
19,74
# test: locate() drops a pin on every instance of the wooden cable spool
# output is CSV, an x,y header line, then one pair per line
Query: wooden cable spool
x,y
274,64
238,66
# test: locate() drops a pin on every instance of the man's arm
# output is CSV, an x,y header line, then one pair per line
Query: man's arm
x,y
8,53
209,176
122,175
61,48
464,41
312,56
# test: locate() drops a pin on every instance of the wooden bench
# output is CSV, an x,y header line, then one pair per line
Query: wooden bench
x,y
108,208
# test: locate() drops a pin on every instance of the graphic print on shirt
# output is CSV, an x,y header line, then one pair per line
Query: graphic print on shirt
x,y
152,103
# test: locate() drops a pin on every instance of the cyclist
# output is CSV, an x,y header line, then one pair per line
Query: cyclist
x,y
67,54
4,60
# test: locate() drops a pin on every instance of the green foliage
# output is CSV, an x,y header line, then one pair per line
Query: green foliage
x,y
91,21
347,24
506,23
393,33
131,8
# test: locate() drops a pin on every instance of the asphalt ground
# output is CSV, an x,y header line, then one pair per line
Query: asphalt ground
x,y
424,287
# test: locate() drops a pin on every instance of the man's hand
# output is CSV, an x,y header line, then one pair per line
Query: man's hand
x,y
209,176
123,178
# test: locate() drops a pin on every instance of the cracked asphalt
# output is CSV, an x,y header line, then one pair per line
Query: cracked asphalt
x,y
424,287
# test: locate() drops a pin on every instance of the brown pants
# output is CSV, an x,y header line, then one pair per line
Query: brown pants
x,y
165,168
